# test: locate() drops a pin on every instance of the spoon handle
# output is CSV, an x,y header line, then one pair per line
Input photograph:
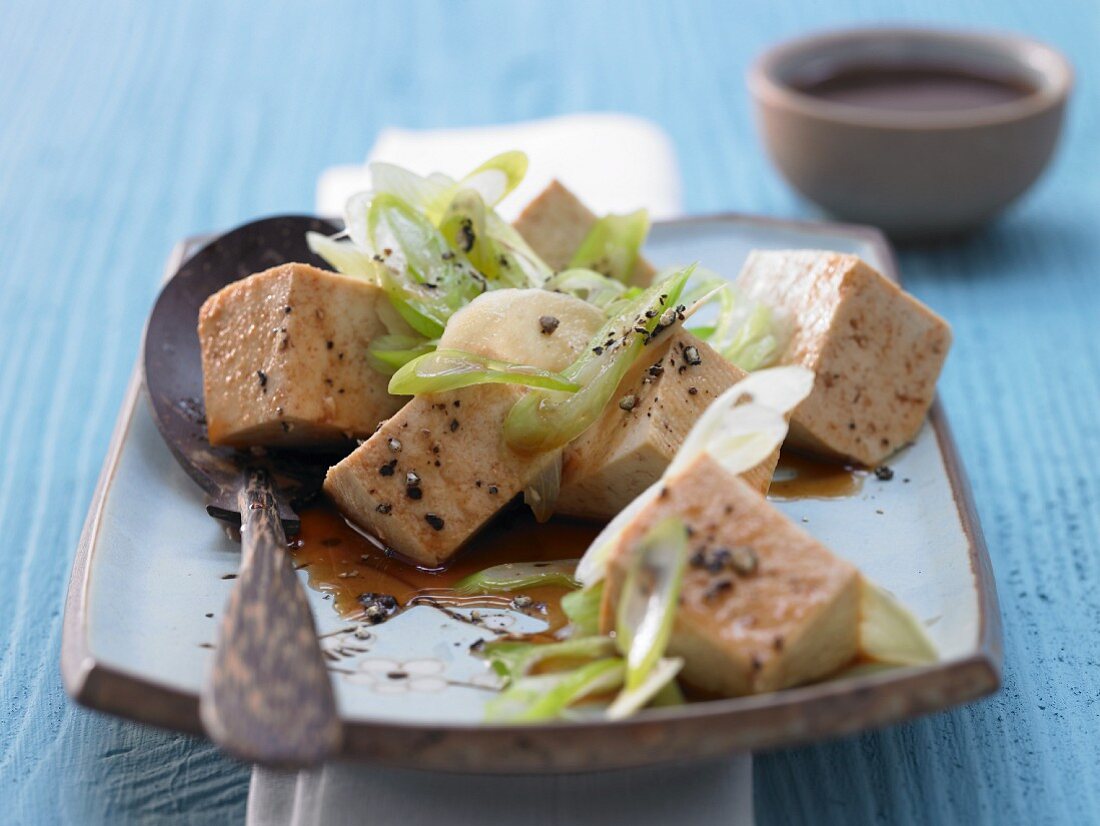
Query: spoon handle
x,y
269,698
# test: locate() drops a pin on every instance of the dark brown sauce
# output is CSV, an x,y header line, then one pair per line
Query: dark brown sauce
x,y
342,562
915,88
799,477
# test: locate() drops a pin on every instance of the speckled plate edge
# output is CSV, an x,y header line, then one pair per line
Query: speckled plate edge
x,y
786,718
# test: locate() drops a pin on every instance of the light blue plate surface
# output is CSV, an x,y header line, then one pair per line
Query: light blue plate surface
x,y
156,562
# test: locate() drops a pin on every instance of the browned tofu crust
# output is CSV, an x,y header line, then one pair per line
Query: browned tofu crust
x,y
632,443
764,605
876,351
284,359
435,473
556,222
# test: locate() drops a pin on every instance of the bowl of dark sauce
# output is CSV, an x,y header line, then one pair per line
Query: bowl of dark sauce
x,y
920,132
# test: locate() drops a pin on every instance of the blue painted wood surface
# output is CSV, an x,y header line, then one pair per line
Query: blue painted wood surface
x,y
126,125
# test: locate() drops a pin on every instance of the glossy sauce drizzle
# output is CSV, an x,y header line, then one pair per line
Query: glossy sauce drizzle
x,y
798,477
342,562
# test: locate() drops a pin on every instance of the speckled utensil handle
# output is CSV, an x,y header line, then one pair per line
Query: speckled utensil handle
x,y
269,699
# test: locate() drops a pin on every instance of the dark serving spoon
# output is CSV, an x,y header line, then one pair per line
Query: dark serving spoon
x,y
269,698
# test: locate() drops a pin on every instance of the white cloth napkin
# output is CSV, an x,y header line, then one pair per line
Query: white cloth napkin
x,y
614,163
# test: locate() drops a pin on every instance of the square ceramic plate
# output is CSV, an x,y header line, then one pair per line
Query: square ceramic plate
x,y
149,581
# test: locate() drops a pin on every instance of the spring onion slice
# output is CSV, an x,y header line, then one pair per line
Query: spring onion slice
x,y
747,333
426,194
516,576
888,633
587,285
612,245
425,280
442,370
583,610
513,659
547,696
651,592
658,684
739,430
541,493
344,256
544,420
471,227
463,226
747,422
532,270
669,695
498,176
389,353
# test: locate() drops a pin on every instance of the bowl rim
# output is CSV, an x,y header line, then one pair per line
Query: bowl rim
x,y
1027,53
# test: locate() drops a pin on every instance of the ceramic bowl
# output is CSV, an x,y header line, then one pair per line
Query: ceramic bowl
x,y
911,173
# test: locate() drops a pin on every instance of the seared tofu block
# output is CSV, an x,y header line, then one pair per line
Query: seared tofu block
x,y
764,605
556,223
439,469
876,351
632,443
435,473
284,359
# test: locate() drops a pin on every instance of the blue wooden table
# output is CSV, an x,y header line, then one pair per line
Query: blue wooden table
x,y
126,125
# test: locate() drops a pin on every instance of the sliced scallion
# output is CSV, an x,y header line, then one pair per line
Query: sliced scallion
x,y
442,370
389,353
582,607
888,633
613,244
547,696
513,659
517,576
546,420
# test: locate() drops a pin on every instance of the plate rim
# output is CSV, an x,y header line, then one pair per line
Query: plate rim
x,y
788,718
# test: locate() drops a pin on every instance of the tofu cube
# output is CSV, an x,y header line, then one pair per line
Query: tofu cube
x,y
284,359
627,450
556,223
439,469
435,473
764,605
876,351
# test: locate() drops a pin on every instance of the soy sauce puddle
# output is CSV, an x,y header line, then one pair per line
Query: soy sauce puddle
x,y
345,564
799,477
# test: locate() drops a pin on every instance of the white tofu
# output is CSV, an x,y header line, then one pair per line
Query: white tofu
x,y
764,606
453,442
626,451
284,359
876,351
556,223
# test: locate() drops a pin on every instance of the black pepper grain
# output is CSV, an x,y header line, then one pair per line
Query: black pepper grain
x,y
435,521
388,468
548,324
884,473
